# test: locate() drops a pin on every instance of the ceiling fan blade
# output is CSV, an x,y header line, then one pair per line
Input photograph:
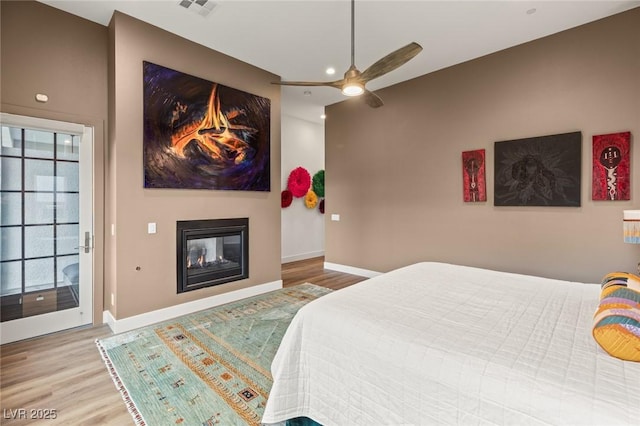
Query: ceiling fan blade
x,y
337,84
392,61
372,99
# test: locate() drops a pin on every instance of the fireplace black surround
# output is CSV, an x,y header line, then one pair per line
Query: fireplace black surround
x,y
211,252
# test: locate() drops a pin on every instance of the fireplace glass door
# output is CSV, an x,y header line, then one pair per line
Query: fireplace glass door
x,y
212,252
205,255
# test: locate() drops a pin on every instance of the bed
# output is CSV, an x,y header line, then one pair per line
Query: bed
x,y
435,343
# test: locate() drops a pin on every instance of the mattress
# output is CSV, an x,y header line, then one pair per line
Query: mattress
x,y
435,343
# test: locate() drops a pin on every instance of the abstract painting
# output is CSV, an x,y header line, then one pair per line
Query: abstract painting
x,y
611,166
539,171
473,176
203,135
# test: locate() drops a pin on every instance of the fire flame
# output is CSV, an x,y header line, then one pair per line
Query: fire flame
x,y
214,133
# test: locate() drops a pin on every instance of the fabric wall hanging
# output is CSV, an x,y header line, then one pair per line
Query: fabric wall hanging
x,y
286,198
318,183
611,167
311,199
473,176
299,182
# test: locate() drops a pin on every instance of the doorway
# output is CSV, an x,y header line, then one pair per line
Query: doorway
x,y
46,226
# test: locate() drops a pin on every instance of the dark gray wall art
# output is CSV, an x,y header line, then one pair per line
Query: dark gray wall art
x,y
538,171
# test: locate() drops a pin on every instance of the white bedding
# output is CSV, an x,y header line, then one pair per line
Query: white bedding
x,y
435,343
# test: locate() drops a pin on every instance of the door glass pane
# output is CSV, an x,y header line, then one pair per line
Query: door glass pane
x,y
68,270
11,143
11,277
67,239
38,241
10,174
38,175
38,144
10,208
67,146
38,208
10,243
38,274
67,177
68,208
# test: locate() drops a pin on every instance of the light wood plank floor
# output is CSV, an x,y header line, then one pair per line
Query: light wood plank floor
x,y
64,371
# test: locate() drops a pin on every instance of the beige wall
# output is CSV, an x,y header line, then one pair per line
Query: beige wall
x,y
394,173
132,207
48,51
91,73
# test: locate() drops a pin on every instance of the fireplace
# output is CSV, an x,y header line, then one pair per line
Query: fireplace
x,y
211,252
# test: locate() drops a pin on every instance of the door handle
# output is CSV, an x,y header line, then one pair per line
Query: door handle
x,y
87,243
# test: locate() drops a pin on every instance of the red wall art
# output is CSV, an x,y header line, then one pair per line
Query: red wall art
x,y
473,176
611,165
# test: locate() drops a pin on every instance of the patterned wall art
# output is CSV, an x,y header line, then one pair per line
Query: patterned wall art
x,y
539,171
474,176
611,167
203,135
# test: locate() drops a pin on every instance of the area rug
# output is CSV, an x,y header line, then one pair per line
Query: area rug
x,y
207,368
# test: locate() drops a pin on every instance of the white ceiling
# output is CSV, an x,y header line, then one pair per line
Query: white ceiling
x,y
299,39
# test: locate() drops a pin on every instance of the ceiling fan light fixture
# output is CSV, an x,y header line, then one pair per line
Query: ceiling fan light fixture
x,y
354,81
353,88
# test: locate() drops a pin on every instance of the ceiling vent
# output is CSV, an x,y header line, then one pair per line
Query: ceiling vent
x,y
199,7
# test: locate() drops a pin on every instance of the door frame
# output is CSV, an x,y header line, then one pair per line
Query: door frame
x,y
83,314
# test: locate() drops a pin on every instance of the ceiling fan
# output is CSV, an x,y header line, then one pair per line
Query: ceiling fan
x,y
354,81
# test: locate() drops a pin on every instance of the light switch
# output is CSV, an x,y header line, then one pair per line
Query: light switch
x,y
335,217
151,228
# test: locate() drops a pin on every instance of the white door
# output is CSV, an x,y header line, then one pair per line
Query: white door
x,y
46,226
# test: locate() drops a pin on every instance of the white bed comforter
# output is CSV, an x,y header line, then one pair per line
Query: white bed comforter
x,y
435,343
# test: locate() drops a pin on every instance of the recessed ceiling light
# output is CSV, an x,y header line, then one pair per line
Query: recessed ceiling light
x,y
331,71
531,11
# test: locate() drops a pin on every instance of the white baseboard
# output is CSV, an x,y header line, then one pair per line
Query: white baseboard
x,y
137,321
351,270
302,256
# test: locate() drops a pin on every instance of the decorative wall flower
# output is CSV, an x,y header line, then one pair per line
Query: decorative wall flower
x,y
299,182
318,183
285,198
321,207
311,199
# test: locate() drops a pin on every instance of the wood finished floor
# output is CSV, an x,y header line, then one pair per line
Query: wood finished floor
x,y
64,371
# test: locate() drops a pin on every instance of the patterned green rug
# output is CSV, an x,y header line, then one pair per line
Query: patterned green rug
x,y
207,368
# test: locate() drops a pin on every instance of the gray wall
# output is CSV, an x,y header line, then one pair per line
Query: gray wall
x,y
394,173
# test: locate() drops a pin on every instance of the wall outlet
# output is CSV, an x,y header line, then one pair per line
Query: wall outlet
x,y
151,228
335,217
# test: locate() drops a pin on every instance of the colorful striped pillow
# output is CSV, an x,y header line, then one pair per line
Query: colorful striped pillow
x,y
616,323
